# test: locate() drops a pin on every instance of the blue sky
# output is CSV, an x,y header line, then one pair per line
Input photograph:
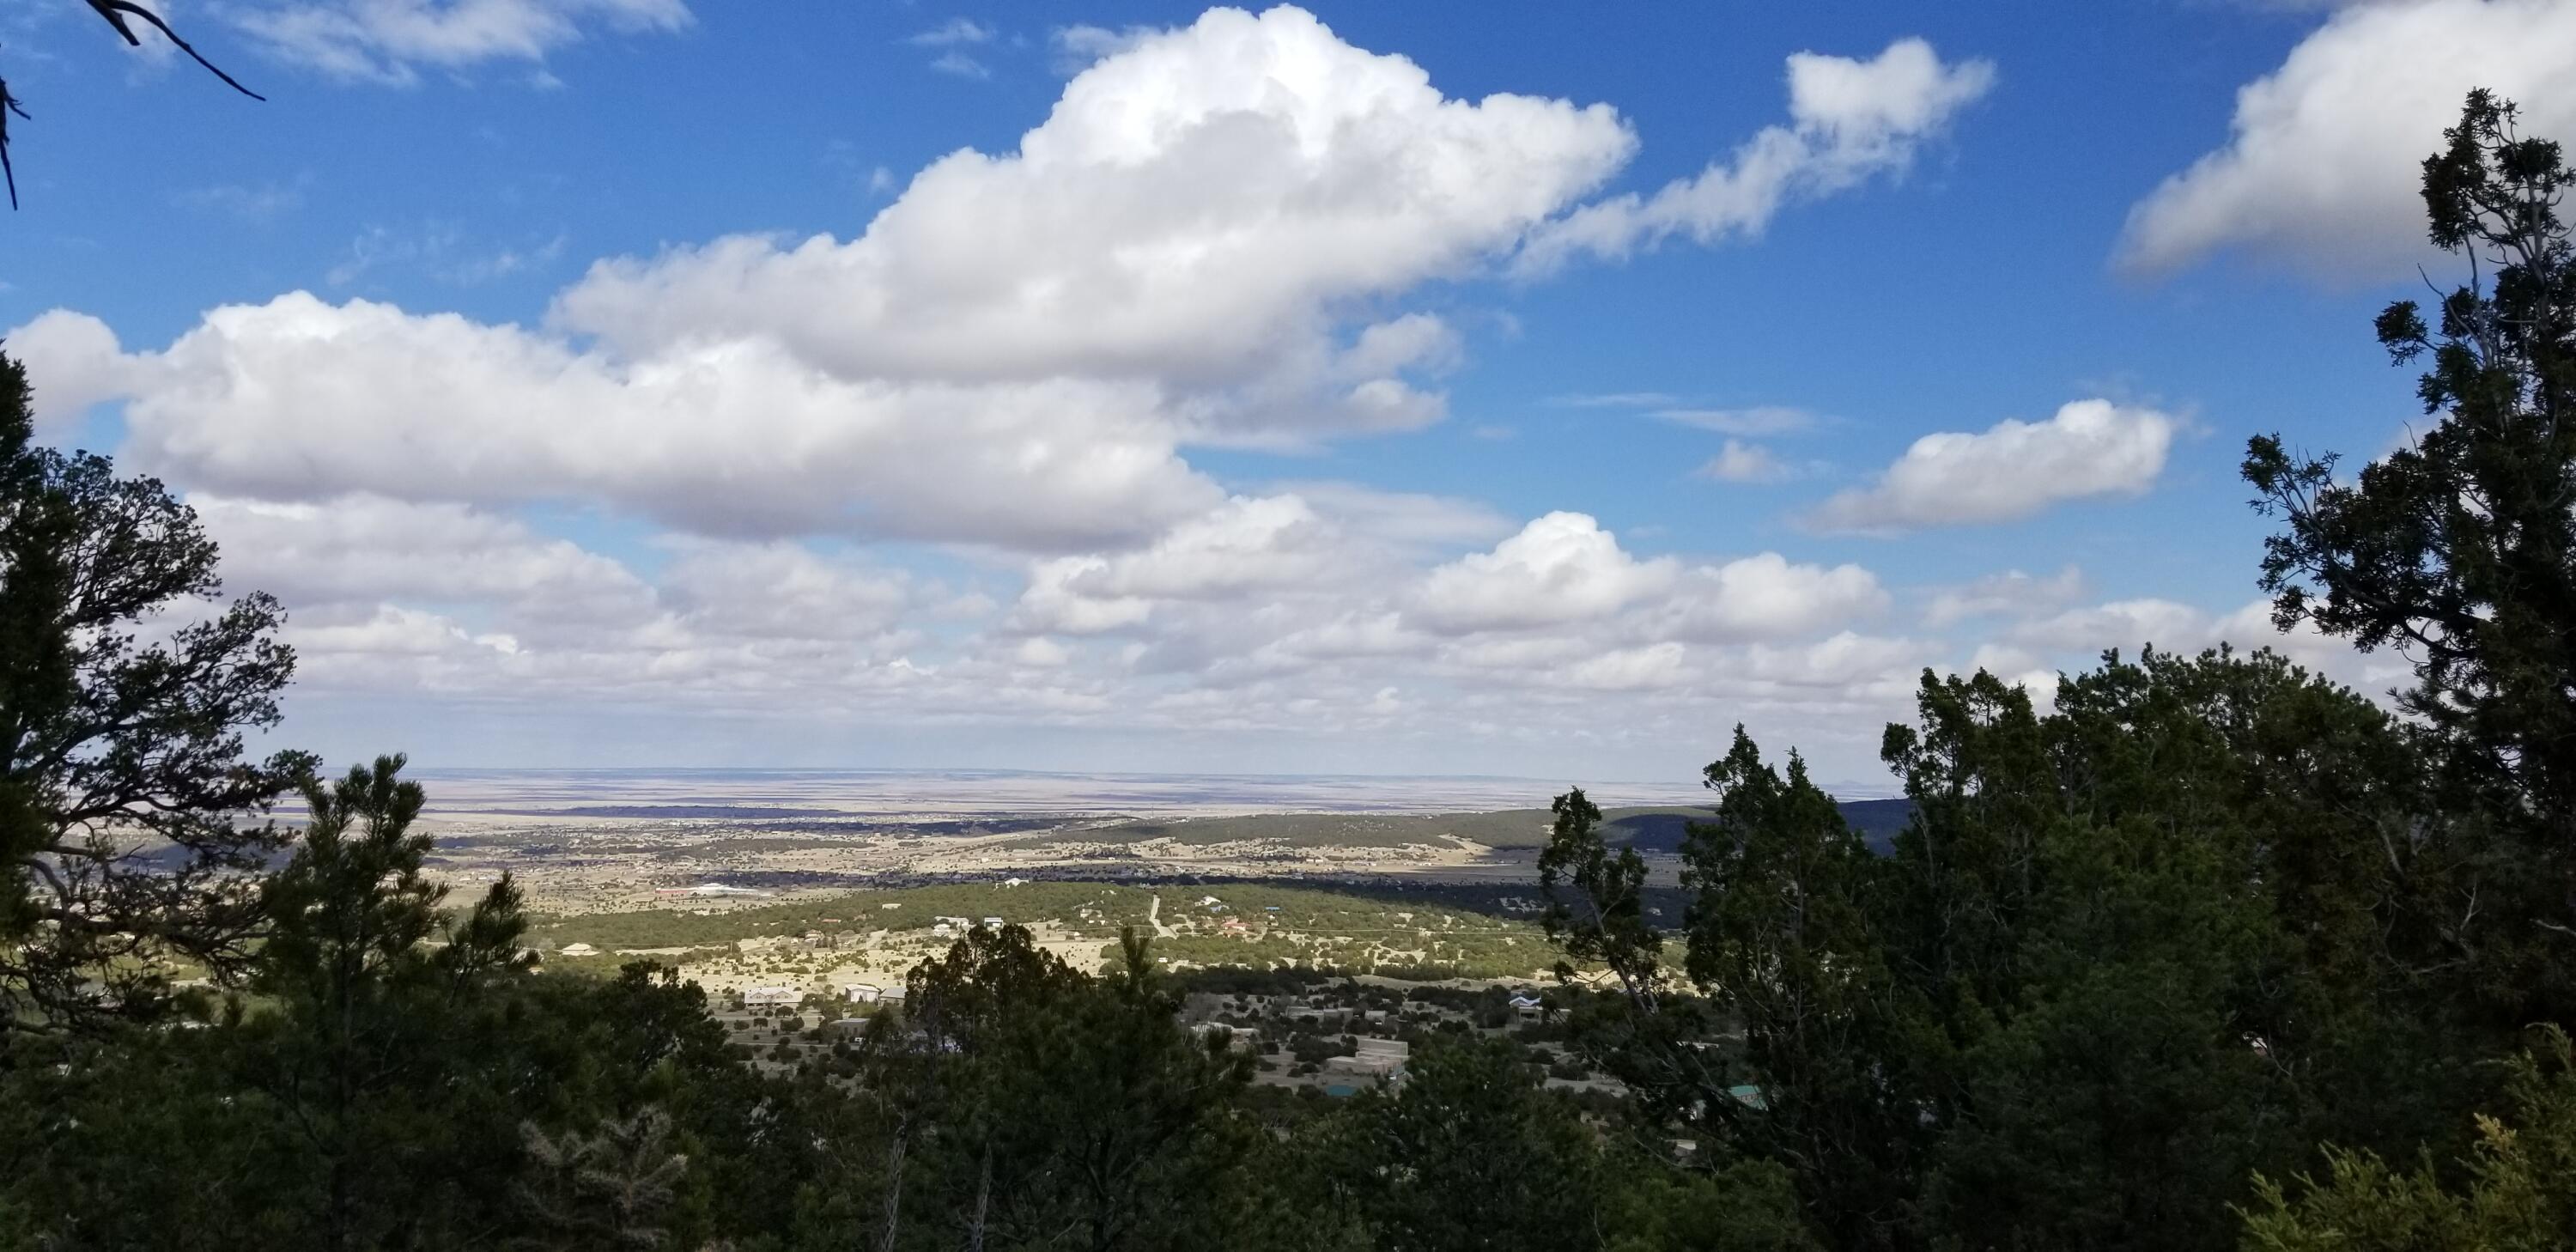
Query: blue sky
x,y
1378,388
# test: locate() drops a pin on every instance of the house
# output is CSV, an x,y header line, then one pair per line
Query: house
x,y
943,930
864,993
1527,1005
578,949
1015,882
1376,1058
993,923
773,995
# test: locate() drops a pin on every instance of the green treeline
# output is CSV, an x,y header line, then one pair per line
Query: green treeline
x,y
2204,952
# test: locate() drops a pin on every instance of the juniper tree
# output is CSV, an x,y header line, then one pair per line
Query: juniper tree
x,y
129,831
2460,550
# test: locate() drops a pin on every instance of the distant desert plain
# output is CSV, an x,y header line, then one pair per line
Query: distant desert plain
x,y
824,881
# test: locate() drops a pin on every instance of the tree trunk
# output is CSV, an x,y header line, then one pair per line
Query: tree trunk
x,y
983,1201
894,1184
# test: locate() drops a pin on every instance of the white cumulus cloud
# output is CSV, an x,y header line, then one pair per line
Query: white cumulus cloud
x,y
1192,210
1849,120
2011,470
2323,165
1560,568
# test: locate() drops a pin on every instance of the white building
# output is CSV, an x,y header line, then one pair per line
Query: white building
x,y
773,995
865,993
1377,1058
579,949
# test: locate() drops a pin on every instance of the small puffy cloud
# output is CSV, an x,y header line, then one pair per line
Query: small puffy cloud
x,y
1741,462
1764,596
73,362
1560,568
391,40
2011,470
2324,163
1850,120
1564,568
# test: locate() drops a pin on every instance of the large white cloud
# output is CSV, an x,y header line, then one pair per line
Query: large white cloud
x,y
1194,247
1193,209
2011,470
389,40
1211,240
2323,166
1848,121
301,399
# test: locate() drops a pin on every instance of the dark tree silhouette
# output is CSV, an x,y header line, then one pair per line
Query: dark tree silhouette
x,y
126,690
2460,551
